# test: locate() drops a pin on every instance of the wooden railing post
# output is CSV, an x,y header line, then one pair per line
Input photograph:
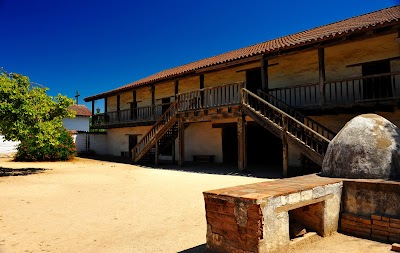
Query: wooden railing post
x,y
321,65
285,147
157,146
181,142
242,147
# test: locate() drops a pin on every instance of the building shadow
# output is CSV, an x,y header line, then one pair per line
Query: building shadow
x,y
12,172
268,171
197,249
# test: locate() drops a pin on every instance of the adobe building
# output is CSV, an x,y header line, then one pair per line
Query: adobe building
x,y
276,102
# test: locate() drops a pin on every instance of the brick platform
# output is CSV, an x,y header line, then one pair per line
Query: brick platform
x,y
255,217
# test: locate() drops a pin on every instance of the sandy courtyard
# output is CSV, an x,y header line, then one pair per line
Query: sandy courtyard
x,y
97,206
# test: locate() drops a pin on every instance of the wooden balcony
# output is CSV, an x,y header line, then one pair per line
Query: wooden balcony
x,y
207,101
146,115
356,91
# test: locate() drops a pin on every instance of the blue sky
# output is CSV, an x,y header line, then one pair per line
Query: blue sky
x,y
94,46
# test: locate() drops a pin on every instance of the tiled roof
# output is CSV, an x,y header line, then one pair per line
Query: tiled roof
x,y
81,110
374,19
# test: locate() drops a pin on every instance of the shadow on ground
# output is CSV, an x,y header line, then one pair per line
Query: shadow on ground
x,y
197,249
271,171
11,172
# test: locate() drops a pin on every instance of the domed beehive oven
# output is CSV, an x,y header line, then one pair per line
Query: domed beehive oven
x,y
368,146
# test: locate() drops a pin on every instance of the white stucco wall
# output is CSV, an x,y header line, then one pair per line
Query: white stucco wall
x,y
96,142
118,138
77,123
7,148
202,139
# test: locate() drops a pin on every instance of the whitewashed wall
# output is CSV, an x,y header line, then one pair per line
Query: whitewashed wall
x,y
96,142
77,123
7,148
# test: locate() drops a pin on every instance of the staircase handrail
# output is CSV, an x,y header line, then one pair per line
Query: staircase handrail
x,y
292,110
162,120
244,90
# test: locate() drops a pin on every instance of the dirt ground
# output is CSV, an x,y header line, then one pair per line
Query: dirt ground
x,y
98,206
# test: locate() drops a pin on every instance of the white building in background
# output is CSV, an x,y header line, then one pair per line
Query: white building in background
x,y
7,148
81,120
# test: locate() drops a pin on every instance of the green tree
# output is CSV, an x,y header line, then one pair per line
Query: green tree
x,y
29,115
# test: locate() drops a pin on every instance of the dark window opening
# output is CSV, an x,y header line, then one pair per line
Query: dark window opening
x,y
380,86
253,80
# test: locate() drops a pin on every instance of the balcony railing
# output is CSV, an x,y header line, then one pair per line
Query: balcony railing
x,y
349,91
213,97
139,114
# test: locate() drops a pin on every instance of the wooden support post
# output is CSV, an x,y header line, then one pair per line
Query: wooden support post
x,y
92,107
105,105
242,147
202,87
285,145
156,153
134,105
176,87
181,143
264,74
173,153
321,65
118,105
153,101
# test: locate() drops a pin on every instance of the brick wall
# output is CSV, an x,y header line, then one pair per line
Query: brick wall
x,y
377,227
229,232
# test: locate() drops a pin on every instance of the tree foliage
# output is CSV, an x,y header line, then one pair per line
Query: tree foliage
x,y
29,115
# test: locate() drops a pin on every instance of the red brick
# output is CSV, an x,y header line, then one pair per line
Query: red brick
x,y
362,234
376,217
380,223
380,238
380,232
354,223
396,247
376,227
355,228
394,230
359,219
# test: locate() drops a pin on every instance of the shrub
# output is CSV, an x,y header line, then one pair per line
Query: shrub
x,y
34,149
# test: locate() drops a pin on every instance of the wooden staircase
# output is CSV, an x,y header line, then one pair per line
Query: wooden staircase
x,y
314,125
160,136
283,125
298,130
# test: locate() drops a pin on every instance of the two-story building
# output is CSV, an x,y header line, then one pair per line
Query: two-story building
x,y
279,101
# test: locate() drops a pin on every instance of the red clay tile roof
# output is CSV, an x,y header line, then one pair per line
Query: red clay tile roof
x,y
341,28
81,110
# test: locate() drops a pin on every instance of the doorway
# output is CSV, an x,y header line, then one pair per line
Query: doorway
x,y
230,144
132,143
253,80
166,102
376,87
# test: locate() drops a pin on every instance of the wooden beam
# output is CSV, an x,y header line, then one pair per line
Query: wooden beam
x,y
202,87
181,143
285,146
321,65
134,105
264,74
242,147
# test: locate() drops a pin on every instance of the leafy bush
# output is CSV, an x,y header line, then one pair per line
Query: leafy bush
x,y
33,149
